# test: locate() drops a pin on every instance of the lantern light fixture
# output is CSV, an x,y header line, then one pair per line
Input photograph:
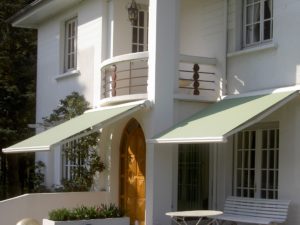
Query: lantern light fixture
x,y
132,11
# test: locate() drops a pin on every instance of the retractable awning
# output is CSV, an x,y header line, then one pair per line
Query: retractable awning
x,y
93,120
222,119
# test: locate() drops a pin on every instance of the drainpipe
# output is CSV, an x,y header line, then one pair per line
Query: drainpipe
x,y
225,85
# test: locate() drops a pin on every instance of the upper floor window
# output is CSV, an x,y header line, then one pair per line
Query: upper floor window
x,y
258,21
70,45
140,32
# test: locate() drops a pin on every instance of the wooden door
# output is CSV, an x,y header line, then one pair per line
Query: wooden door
x,y
132,174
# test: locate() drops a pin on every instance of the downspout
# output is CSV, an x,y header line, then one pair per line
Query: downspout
x,y
225,85
216,147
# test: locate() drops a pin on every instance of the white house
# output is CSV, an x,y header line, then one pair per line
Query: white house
x,y
235,63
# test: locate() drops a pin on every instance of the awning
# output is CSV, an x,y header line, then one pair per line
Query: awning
x,y
222,119
93,120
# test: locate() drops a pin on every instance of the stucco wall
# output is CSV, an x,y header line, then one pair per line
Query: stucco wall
x,y
273,67
50,89
37,206
50,56
289,156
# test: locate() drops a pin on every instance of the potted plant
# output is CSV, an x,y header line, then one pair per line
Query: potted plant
x,y
83,215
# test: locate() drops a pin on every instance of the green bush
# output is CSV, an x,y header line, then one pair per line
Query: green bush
x,y
85,213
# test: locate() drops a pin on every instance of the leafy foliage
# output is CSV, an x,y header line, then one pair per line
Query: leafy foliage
x,y
85,213
83,151
17,98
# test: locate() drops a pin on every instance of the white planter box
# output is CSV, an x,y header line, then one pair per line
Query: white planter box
x,y
108,221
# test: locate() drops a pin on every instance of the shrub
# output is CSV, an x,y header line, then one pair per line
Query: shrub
x,y
85,213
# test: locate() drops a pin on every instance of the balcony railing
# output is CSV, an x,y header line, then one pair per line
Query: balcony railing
x,y
197,76
125,77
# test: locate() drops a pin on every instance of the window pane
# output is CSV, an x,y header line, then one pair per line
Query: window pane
x,y
134,48
264,179
246,140
272,138
141,48
249,14
240,139
245,178
141,18
134,35
256,13
252,179
271,160
248,34
239,159
267,30
239,178
141,36
267,9
246,159
256,33
253,140
264,139
252,161
264,160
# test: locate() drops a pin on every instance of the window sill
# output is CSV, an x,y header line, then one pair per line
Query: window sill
x,y
253,49
71,73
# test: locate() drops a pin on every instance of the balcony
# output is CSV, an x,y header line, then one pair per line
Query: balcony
x,y
125,78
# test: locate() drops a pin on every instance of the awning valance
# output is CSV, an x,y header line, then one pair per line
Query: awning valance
x,y
90,120
222,119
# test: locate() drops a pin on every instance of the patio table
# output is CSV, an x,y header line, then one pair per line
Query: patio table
x,y
180,216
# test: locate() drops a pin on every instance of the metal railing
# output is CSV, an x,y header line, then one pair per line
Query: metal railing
x,y
128,75
125,75
196,75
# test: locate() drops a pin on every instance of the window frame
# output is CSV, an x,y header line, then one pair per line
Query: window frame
x,y
263,151
68,166
141,44
70,44
261,22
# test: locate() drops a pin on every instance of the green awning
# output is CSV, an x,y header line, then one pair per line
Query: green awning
x,y
222,119
90,120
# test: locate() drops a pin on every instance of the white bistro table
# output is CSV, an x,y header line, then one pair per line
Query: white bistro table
x,y
180,216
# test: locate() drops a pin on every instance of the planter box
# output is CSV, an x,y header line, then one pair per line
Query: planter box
x,y
108,221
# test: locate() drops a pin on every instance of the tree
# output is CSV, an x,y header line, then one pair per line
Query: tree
x,y
17,98
82,152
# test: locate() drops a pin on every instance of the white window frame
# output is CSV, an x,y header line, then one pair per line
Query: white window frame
x,y
259,23
264,182
139,41
68,165
70,45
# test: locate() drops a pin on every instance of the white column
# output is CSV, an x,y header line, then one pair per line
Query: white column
x,y
163,75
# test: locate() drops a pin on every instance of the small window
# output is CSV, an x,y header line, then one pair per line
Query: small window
x,y
70,165
70,45
258,22
140,32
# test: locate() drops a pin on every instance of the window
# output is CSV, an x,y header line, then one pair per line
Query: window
x,y
71,165
256,163
193,176
140,33
70,45
258,21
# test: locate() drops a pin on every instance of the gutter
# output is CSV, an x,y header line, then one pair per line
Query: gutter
x,y
27,10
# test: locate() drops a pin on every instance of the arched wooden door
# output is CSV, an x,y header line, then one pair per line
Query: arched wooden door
x,y
132,172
